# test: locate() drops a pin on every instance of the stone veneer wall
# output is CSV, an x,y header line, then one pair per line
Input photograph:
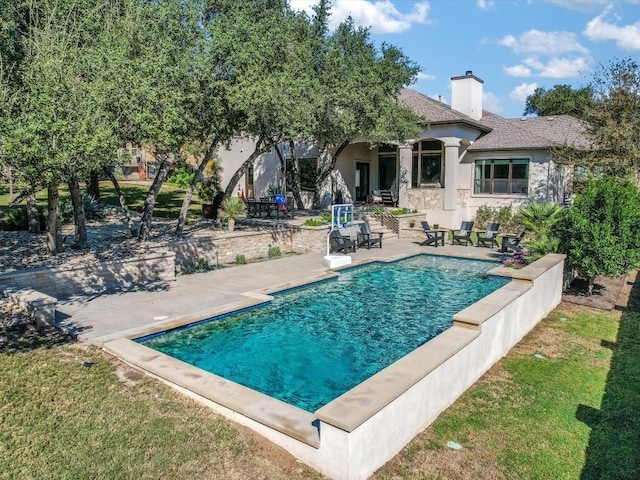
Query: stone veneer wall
x,y
223,248
426,198
93,278
159,266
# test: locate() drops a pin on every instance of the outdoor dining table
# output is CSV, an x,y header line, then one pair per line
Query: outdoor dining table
x,y
255,208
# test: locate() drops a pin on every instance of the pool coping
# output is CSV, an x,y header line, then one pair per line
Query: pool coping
x,y
362,404
346,412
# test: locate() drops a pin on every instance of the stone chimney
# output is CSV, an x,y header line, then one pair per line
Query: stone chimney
x,y
466,95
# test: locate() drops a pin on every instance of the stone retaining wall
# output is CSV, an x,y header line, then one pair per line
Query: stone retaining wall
x,y
93,278
223,248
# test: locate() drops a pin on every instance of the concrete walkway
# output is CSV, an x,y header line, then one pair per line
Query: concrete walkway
x,y
202,295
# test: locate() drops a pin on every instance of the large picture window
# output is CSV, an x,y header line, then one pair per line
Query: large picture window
x,y
502,176
427,165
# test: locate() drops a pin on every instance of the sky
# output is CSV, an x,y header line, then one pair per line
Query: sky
x,y
514,46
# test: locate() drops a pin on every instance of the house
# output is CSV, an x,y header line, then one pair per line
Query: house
x,y
464,158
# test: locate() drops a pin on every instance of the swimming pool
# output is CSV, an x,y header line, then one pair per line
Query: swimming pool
x,y
310,345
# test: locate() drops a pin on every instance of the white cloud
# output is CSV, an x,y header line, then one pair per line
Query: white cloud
x,y
491,103
381,15
425,76
484,4
554,68
626,37
522,91
581,5
543,43
518,71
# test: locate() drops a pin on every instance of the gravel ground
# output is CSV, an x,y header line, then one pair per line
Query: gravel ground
x,y
107,239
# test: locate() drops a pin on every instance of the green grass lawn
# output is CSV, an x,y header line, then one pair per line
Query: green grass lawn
x,y
572,414
168,203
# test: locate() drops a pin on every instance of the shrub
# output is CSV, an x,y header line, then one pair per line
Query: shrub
x,y
600,233
326,217
400,211
274,252
241,259
502,215
182,176
232,209
202,265
15,219
92,208
314,222
539,219
483,215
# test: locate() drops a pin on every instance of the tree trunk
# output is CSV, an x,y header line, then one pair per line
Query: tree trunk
x,y
33,214
231,224
324,173
166,164
295,176
591,279
188,195
54,237
79,216
93,185
261,147
121,200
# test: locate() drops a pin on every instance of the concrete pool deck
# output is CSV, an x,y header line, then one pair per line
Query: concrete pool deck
x,y
121,314
356,433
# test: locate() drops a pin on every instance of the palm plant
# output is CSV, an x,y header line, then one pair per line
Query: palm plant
x,y
539,219
232,209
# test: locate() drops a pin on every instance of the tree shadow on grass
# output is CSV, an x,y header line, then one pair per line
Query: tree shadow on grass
x,y
23,338
614,443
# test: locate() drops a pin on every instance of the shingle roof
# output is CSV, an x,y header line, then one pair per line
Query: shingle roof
x,y
531,133
558,129
434,111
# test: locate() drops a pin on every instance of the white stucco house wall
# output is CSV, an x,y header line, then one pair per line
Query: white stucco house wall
x,y
465,157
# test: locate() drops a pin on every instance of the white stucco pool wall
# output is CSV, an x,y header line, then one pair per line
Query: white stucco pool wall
x,y
364,428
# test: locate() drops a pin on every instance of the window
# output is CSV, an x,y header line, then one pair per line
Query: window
x,y
502,176
427,165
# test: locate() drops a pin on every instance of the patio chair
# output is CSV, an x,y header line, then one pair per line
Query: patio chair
x,y
387,198
338,243
512,243
463,234
490,236
432,235
368,238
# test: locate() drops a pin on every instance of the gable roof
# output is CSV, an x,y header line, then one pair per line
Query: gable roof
x,y
498,133
436,112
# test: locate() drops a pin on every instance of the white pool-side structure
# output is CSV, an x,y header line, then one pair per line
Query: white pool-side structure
x,y
357,433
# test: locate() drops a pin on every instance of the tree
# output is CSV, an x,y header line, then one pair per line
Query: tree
x,y
612,125
559,100
600,233
52,128
357,96
262,47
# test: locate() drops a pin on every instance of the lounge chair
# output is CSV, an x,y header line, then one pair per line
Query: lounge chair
x,y
432,235
387,198
338,243
512,243
368,238
490,236
463,234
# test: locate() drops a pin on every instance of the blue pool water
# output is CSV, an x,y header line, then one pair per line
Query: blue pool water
x,y
312,344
